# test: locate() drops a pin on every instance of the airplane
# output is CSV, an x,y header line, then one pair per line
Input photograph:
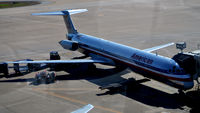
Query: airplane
x,y
166,70
84,109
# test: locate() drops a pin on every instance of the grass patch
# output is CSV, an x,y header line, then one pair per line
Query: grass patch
x,y
16,4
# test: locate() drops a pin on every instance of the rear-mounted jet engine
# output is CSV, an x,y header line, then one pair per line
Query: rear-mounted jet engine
x,y
70,45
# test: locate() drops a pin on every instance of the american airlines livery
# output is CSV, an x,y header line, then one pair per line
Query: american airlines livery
x,y
170,71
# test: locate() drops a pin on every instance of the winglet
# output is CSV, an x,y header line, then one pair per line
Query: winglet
x,y
66,15
84,109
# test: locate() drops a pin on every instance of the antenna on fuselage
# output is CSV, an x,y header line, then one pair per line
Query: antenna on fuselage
x,y
181,46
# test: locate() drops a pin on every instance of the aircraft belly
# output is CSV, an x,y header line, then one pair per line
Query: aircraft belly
x,y
172,80
184,84
174,83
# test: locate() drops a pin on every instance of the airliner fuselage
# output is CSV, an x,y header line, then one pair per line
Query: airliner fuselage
x,y
150,65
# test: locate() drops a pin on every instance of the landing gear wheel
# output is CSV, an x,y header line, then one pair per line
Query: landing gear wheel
x,y
91,68
181,92
198,84
120,67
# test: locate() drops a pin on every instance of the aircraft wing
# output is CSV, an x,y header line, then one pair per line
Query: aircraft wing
x,y
158,47
84,109
74,11
57,61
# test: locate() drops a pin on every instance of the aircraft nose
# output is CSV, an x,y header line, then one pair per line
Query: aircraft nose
x,y
60,42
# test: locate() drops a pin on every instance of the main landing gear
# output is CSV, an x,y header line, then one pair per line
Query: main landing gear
x,y
181,92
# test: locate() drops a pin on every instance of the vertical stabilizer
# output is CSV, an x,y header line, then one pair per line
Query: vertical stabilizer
x,y
66,15
68,23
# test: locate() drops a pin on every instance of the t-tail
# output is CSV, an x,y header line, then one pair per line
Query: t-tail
x,y
66,15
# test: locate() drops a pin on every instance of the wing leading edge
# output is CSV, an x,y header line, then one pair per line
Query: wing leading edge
x,y
84,109
158,47
74,11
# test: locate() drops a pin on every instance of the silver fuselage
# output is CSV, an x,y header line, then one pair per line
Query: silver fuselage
x,y
159,67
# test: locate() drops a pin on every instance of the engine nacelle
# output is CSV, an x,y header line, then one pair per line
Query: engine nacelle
x,y
70,45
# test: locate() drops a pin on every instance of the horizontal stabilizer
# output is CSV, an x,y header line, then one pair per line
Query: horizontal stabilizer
x,y
66,15
71,11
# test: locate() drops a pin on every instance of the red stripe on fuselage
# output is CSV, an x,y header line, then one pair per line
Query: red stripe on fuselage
x,y
137,67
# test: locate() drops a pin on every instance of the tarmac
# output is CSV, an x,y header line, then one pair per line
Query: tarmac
x,y
137,23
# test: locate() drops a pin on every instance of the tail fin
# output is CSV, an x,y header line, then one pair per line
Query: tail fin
x,y
66,15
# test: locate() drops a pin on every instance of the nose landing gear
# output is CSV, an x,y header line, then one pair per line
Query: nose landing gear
x,y
181,92
197,86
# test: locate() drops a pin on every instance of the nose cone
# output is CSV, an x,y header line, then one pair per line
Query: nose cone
x,y
67,44
62,43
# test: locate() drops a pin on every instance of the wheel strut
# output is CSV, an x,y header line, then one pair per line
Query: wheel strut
x,y
198,84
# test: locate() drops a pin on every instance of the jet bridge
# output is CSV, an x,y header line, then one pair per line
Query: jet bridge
x,y
189,61
4,68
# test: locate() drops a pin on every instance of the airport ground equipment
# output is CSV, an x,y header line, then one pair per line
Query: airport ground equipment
x,y
4,68
181,46
73,68
189,61
54,55
45,77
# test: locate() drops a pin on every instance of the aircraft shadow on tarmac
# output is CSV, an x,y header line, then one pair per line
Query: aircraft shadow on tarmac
x,y
139,92
153,97
98,73
135,91
95,74
13,75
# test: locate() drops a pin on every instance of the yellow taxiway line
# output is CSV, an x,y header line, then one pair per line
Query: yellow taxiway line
x,y
66,89
72,99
